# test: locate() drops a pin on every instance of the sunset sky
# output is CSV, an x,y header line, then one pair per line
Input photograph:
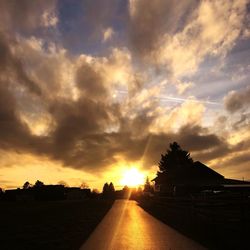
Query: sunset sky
x,y
90,89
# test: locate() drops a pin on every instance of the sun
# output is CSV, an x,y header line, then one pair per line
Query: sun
x,y
132,177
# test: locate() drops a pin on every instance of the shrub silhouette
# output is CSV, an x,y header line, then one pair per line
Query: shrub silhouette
x,y
27,185
38,184
147,186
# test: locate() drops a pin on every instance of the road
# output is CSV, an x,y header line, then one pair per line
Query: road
x,y
127,226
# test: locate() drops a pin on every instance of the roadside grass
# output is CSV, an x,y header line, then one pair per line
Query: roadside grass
x,y
49,224
220,226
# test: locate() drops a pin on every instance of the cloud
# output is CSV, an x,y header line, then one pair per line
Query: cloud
x,y
237,100
12,65
49,65
82,136
183,86
90,81
25,16
49,19
181,36
14,134
189,112
149,21
107,34
212,31
91,111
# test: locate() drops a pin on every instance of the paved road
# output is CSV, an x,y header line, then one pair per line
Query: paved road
x,y
127,226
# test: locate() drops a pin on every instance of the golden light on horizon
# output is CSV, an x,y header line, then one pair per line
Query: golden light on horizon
x,y
132,177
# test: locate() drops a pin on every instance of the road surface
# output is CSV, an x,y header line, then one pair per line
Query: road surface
x,y
128,226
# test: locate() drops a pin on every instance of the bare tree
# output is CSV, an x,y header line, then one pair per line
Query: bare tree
x,y
84,185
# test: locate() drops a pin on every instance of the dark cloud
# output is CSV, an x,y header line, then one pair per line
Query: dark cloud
x,y
242,122
14,134
91,131
14,81
12,66
25,15
90,82
237,100
77,119
196,138
191,138
219,151
237,162
150,20
82,137
243,158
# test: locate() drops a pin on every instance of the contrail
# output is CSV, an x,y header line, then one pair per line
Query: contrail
x,y
181,100
176,99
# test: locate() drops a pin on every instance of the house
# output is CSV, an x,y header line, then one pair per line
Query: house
x,y
18,195
75,193
196,177
49,192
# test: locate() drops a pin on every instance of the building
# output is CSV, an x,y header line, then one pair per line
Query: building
x,y
196,178
75,193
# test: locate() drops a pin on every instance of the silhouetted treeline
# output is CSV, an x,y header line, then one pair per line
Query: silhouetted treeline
x,y
41,192
108,190
126,192
1,194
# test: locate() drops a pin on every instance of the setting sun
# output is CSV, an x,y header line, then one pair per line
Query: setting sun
x,y
132,177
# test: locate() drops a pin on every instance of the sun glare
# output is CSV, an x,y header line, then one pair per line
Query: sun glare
x,y
132,178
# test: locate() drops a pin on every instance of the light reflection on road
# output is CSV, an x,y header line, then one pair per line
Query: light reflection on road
x,y
127,226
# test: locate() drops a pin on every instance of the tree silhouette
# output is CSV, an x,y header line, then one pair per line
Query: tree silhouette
x,y
111,188
147,186
38,184
126,192
139,190
108,190
26,185
95,191
175,158
84,185
63,183
176,165
105,188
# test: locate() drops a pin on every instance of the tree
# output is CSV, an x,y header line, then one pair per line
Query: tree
x,y
175,159
63,183
139,190
105,188
108,190
26,185
84,185
95,191
126,192
147,186
39,184
111,188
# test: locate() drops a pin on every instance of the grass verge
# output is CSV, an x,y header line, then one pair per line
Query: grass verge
x,y
49,225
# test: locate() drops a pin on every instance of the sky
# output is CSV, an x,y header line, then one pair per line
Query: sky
x,y
90,88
